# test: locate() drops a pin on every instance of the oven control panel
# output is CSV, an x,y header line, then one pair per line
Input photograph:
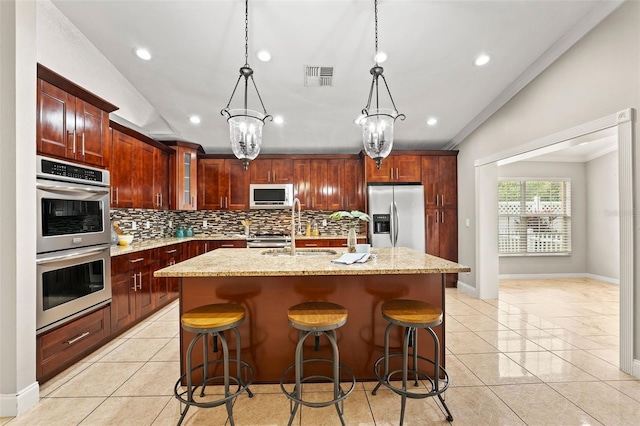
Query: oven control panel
x,y
62,170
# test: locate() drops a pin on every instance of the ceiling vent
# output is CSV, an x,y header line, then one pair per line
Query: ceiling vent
x,y
316,76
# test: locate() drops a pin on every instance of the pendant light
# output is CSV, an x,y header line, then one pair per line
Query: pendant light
x,y
245,125
377,123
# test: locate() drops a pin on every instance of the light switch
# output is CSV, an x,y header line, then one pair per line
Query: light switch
x,y
467,222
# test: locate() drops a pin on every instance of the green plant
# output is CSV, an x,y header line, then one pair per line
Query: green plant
x,y
354,217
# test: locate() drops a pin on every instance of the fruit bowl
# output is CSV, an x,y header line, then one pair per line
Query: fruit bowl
x,y
123,240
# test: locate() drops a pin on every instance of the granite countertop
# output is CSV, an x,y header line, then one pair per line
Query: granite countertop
x,y
150,244
250,262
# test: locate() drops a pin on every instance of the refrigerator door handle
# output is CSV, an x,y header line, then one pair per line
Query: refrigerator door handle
x,y
392,224
396,223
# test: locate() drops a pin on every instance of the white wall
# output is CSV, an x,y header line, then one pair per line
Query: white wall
x,y
597,77
18,388
577,261
603,222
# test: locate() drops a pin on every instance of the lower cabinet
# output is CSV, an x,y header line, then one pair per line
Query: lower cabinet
x,y
442,237
132,294
166,289
59,348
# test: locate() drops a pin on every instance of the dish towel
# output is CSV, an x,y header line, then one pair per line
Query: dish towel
x,y
349,258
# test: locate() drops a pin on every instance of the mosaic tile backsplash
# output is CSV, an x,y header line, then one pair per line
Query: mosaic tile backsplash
x,y
164,223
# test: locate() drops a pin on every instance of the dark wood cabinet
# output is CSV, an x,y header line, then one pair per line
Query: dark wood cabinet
x,y
185,178
394,168
440,180
325,242
59,348
223,184
122,176
161,173
132,294
72,123
266,170
143,176
318,170
166,289
344,184
441,228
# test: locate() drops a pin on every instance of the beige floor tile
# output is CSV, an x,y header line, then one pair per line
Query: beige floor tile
x,y
468,342
152,379
497,369
601,401
581,342
62,378
508,341
515,322
549,367
385,406
135,350
5,420
356,410
593,365
612,356
158,329
170,352
453,324
479,322
100,379
546,340
475,406
119,411
100,353
459,308
631,388
540,405
459,374
59,412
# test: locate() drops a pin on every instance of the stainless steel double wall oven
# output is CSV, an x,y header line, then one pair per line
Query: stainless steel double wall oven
x,y
73,246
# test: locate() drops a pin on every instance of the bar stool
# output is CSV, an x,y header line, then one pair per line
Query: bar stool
x,y
214,320
317,318
412,315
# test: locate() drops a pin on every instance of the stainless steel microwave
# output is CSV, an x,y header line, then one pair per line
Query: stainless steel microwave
x,y
270,195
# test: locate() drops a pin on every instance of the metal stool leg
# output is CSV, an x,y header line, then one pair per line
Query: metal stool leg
x,y
239,363
189,381
387,331
437,372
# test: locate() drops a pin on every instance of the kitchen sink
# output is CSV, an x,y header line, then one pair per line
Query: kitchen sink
x,y
300,252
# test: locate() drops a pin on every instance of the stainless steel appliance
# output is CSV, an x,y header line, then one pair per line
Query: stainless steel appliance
x,y
270,195
73,241
397,216
263,240
72,205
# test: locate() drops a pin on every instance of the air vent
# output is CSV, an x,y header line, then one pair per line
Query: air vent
x,y
316,76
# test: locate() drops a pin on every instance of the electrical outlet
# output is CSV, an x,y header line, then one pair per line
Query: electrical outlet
x,y
134,225
204,224
324,222
170,224
147,225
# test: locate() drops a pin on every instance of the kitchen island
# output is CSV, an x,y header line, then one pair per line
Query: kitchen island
x,y
268,285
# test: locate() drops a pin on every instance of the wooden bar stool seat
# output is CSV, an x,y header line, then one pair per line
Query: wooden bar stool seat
x,y
412,315
317,319
214,320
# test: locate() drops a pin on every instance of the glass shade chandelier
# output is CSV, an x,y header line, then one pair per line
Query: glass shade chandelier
x,y
245,125
377,123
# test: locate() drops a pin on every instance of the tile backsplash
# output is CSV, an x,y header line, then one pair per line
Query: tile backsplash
x,y
164,223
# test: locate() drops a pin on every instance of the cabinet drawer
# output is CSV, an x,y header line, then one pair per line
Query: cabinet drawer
x,y
62,345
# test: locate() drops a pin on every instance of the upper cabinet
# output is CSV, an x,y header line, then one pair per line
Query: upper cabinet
x,y
440,180
394,168
184,175
271,170
223,184
72,123
139,171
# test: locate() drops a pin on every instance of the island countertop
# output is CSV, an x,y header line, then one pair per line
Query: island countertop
x,y
234,262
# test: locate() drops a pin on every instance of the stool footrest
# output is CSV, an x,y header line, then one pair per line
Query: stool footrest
x,y
242,384
341,397
443,383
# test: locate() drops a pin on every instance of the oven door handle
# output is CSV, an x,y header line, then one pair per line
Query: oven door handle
x,y
70,256
57,188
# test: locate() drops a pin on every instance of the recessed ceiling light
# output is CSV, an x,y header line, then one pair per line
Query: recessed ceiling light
x,y
380,57
263,55
194,119
432,121
278,119
142,53
482,59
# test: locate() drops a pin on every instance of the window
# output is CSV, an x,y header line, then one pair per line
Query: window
x,y
534,216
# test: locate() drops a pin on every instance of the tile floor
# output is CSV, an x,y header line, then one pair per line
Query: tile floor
x,y
544,353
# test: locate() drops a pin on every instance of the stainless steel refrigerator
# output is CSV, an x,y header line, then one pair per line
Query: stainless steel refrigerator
x,y
397,216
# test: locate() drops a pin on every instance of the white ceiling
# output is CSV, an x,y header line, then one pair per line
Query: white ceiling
x,y
198,47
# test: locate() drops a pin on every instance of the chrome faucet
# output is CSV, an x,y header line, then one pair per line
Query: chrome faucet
x,y
293,225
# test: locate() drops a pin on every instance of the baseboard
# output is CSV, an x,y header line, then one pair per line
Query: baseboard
x,y
466,288
13,404
564,275
636,368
